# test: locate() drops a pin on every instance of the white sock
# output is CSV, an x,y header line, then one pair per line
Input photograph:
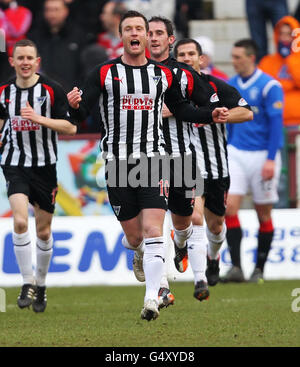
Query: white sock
x,y
44,250
215,242
153,265
197,251
180,236
140,249
23,252
164,283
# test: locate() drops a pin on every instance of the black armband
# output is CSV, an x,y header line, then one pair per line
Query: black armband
x,y
3,113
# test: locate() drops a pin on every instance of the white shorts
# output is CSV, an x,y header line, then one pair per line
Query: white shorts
x,y
245,169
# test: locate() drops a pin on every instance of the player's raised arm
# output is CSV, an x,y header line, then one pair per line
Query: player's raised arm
x,y
81,101
184,111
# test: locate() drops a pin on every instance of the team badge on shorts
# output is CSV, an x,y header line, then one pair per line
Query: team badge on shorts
x,y
116,209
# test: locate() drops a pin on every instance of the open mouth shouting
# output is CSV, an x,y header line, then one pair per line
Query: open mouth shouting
x,y
135,44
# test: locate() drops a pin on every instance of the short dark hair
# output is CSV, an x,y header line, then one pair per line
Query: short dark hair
x,y
25,42
167,22
185,41
249,45
133,14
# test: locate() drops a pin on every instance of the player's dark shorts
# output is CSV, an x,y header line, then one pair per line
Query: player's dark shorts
x,y
182,185
135,186
39,184
215,192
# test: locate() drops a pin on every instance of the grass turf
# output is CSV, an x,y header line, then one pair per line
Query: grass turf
x,y
236,315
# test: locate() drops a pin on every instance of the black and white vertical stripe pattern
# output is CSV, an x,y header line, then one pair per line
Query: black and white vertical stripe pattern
x,y
177,133
210,145
23,142
130,105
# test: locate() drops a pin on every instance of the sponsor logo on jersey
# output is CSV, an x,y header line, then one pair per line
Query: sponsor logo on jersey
x,y
214,98
118,79
20,124
242,102
131,102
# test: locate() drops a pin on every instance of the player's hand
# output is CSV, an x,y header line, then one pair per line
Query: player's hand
x,y
220,115
29,113
166,112
268,170
74,98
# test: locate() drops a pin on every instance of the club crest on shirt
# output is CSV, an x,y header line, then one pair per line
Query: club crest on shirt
x,y
41,100
253,93
156,79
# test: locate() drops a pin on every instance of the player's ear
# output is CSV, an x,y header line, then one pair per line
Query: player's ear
x,y
11,61
172,39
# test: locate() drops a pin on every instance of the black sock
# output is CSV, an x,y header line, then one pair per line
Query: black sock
x,y
263,248
234,238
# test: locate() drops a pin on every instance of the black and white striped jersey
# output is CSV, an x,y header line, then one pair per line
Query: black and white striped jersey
x,y
131,100
175,132
210,141
25,143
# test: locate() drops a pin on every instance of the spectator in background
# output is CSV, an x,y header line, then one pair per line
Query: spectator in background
x,y
186,10
5,68
297,12
110,39
208,52
85,14
60,43
18,22
284,66
152,8
259,12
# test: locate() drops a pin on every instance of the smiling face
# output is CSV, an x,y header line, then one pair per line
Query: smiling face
x,y
134,36
25,61
159,41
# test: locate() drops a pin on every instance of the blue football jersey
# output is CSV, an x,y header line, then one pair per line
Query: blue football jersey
x,y
265,132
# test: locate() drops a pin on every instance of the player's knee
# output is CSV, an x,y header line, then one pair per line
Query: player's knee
x,y
231,209
134,239
153,231
197,218
215,227
20,224
44,233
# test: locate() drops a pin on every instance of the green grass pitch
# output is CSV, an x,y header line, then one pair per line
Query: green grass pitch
x,y
236,315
